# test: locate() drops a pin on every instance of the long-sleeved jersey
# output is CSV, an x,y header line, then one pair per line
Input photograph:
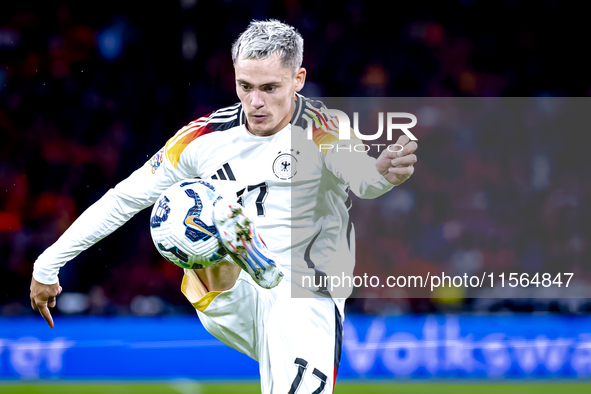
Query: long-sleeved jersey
x,y
296,192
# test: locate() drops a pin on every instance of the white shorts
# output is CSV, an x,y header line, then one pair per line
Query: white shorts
x,y
297,341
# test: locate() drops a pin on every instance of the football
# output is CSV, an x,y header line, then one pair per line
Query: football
x,y
181,225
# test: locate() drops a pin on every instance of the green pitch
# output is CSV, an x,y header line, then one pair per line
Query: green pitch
x,y
342,388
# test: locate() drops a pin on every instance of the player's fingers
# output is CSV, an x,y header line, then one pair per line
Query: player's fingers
x,y
408,149
33,304
402,170
51,302
44,311
402,140
392,151
397,150
405,161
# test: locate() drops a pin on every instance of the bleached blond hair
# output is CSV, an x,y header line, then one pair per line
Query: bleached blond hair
x,y
263,38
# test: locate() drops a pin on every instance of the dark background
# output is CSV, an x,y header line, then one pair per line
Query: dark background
x,y
91,90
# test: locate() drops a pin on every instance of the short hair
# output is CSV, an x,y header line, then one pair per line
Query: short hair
x,y
263,38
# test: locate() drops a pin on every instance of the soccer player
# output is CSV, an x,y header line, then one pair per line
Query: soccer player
x,y
278,152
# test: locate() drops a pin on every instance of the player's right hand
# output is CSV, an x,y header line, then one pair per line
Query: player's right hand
x,y
43,298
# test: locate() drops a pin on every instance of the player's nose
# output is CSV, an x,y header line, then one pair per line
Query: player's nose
x,y
256,99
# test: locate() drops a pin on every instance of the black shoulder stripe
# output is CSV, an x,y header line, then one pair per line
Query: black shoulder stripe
x,y
303,105
225,118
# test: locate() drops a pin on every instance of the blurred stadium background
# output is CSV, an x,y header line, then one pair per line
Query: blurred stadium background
x,y
89,91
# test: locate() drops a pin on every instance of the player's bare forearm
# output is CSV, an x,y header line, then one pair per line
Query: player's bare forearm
x,y
398,165
43,297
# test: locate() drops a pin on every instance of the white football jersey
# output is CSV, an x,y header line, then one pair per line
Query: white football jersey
x,y
297,193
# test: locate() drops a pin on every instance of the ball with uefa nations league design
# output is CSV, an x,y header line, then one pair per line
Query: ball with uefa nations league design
x,y
181,225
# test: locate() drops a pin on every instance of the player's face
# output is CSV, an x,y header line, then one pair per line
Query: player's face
x,y
266,90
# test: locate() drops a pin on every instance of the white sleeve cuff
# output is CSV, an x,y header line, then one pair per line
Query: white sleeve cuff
x,y
44,275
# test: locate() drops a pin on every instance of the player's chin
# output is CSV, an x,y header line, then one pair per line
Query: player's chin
x,y
261,129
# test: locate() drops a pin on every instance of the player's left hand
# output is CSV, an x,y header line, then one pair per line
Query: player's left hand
x,y
398,166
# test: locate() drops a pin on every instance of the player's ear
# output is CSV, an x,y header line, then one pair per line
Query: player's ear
x,y
300,79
